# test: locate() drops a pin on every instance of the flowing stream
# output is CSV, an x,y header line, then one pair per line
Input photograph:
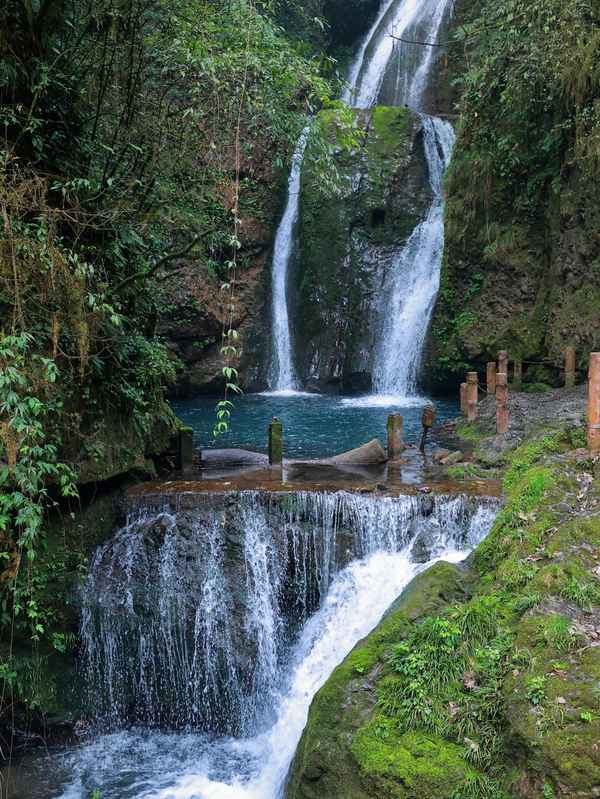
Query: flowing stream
x,y
389,68
208,630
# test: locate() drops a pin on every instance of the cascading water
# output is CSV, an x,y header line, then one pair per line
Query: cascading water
x,y
414,281
392,66
398,69
220,623
282,377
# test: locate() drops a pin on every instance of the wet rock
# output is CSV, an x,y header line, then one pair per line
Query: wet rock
x,y
439,454
372,452
427,538
563,507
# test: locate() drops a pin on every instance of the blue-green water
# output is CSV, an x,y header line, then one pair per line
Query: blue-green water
x,y
315,426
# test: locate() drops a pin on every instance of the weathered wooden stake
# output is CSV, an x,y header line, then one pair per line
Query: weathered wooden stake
x,y
490,378
503,362
463,398
472,389
275,442
395,436
517,374
185,449
501,403
570,356
427,420
594,403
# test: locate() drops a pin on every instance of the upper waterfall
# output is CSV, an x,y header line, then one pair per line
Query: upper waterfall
x,y
412,285
397,49
393,66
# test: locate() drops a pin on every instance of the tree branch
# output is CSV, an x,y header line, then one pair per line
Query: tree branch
x,y
155,267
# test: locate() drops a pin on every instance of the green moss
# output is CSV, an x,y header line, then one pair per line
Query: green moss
x,y
470,431
409,765
467,472
391,126
498,683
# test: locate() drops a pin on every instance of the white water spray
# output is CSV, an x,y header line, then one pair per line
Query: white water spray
x,y
297,552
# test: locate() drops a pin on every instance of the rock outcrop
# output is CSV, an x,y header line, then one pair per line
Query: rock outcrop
x,y
347,240
482,680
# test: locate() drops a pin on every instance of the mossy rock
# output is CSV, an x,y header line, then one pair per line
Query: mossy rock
x,y
343,712
412,765
381,193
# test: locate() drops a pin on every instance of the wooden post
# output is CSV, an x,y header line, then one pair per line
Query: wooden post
x,y
472,389
517,374
395,436
491,378
503,362
185,449
463,398
427,420
570,356
275,442
594,404
501,403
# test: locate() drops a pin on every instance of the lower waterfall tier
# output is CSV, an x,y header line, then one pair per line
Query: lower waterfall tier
x,y
207,633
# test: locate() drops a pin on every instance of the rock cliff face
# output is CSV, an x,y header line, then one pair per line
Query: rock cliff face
x,y
194,313
348,239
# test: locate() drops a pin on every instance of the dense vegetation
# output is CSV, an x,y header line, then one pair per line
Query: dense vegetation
x,y
522,254
131,134
482,682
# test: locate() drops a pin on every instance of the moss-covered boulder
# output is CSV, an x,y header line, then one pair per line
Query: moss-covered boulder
x,y
347,750
482,682
350,231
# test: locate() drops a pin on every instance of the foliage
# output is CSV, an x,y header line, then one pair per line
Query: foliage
x,y
131,134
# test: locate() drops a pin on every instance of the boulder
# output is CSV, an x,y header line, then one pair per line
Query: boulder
x,y
426,540
372,452
439,454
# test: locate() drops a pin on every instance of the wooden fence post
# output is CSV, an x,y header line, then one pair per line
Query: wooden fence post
x,y
472,389
185,448
491,378
395,436
427,420
570,356
463,398
501,403
594,403
503,362
275,442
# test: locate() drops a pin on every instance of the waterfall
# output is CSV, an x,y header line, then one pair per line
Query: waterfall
x,y
207,631
413,284
393,71
282,376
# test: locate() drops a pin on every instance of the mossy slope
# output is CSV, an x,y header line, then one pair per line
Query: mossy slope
x,y
484,681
